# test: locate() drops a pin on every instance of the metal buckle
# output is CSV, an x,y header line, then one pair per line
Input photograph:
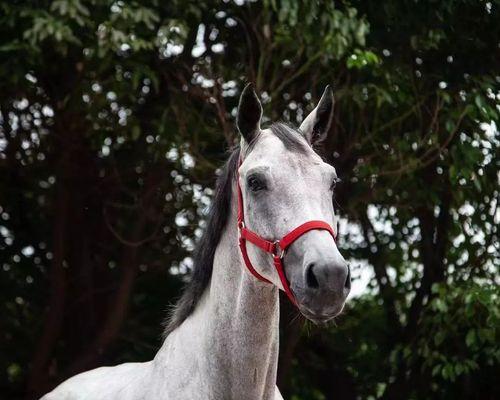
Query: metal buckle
x,y
277,250
241,225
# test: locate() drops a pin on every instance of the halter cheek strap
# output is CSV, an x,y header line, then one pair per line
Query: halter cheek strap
x,y
277,248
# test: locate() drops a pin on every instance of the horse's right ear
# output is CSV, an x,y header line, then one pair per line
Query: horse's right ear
x,y
249,114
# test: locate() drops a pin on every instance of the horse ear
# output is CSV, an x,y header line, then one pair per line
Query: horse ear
x,y
316,125
249,113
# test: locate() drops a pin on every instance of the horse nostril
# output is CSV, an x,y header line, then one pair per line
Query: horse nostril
x,y
347,283
311,279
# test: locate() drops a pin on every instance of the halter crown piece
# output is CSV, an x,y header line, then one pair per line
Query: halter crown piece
x,y
276,248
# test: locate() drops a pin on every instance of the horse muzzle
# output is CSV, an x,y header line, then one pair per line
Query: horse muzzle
x,y
322,285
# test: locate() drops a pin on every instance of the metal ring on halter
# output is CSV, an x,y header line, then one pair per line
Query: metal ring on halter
x,y
277,250
241,225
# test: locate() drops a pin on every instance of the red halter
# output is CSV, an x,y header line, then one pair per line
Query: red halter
x,y
276,248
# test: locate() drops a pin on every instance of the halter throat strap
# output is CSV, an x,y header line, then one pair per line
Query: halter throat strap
x,y
276,248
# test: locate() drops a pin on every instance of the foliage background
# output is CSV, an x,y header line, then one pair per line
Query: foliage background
x,y
114,116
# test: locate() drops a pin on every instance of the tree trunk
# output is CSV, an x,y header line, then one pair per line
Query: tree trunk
x,y
55,311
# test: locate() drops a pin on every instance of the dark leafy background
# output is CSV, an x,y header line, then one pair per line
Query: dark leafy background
x,y
115,115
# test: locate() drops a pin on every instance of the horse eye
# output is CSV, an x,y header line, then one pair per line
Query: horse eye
x,y
255,184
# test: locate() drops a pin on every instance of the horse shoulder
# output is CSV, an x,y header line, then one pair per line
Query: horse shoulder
x,y
124,382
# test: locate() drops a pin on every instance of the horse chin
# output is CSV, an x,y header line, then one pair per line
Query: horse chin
x,y
320,318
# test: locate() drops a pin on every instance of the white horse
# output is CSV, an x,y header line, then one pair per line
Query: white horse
x,y
222,339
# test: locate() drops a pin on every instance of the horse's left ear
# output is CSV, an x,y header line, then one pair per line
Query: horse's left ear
x,y
316,125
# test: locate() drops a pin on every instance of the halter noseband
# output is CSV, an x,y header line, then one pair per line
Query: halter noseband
x,y
276,248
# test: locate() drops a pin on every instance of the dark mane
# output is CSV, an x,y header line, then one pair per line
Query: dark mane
x,y
203,256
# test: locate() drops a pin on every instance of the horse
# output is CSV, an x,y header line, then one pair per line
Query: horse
x,y
269,229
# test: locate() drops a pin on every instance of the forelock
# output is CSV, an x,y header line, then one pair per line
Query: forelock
x,y
291,138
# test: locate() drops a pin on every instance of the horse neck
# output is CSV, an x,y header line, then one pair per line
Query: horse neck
x,y
247,311
234,330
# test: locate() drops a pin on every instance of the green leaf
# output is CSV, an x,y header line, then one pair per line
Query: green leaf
x,y
470,338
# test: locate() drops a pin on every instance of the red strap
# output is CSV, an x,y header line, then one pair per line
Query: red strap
x,y
241,218
279,267
248,263
252,237
291,237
